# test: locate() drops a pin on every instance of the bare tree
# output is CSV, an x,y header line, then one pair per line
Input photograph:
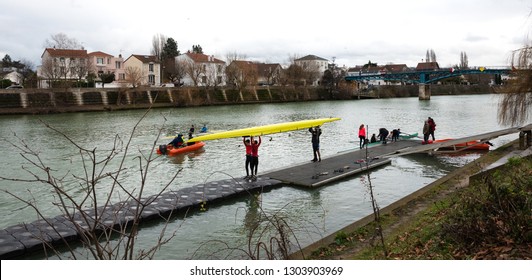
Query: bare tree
x,y
430,56
311,73
231,72
106,230
175,70
195,71
62,41
464,63
158,43
292,58
242,73
293,75
50,70
516,104
133,76
232,56
81,67
27,71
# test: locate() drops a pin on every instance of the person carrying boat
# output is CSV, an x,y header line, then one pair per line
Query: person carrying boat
x,y
177,141
362,135
255,157
247,144
316,132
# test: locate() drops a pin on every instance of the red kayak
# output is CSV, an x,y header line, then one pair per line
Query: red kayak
x,y
175,151
471,145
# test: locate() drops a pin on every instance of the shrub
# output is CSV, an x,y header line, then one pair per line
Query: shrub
x,y
495,211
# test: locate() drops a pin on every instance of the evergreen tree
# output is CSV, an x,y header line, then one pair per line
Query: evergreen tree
x,y
6,61
170,49
197,49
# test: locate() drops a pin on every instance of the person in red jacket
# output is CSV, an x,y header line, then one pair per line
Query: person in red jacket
x,y
247,144
255,157
432,127
362,135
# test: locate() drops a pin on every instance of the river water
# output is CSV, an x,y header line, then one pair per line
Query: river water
x,y
311,213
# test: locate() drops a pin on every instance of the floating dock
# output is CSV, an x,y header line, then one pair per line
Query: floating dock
x,y
339,166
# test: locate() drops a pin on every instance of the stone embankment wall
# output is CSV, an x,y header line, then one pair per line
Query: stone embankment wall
x,y
43,101
37,101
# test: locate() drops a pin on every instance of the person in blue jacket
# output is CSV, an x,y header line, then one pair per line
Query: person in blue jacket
x,y
177,141
316,132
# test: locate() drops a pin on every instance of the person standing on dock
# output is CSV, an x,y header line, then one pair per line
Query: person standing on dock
x,y
426,132
383,134
255,157
362,135
432,128
247,144
316,132
395,134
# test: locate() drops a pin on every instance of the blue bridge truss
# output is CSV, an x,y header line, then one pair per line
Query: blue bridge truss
x,y
426,77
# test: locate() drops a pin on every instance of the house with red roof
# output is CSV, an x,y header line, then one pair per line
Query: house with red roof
x,y
62,64
201,69
103,63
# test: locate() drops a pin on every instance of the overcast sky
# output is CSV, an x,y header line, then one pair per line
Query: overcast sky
x,y
351,31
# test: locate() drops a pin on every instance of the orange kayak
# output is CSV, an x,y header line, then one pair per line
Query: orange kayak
x,y
175,151
471,145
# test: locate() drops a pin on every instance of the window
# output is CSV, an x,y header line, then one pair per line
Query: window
x,y
99,60
118,64
204,79
122,76
151,67
219,79
219,68
151,79
108,60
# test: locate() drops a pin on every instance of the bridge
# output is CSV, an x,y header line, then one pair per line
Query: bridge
x,y
426,77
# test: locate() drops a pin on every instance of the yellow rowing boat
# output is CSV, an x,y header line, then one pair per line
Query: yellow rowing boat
x,y
264,130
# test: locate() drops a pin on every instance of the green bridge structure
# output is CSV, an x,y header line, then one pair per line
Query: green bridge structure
x,y
426,77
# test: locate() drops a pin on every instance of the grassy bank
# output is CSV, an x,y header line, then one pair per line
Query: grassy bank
x,y
487,218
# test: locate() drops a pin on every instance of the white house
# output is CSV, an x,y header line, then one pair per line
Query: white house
x,y
314,64
201,69
12,74
62,64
